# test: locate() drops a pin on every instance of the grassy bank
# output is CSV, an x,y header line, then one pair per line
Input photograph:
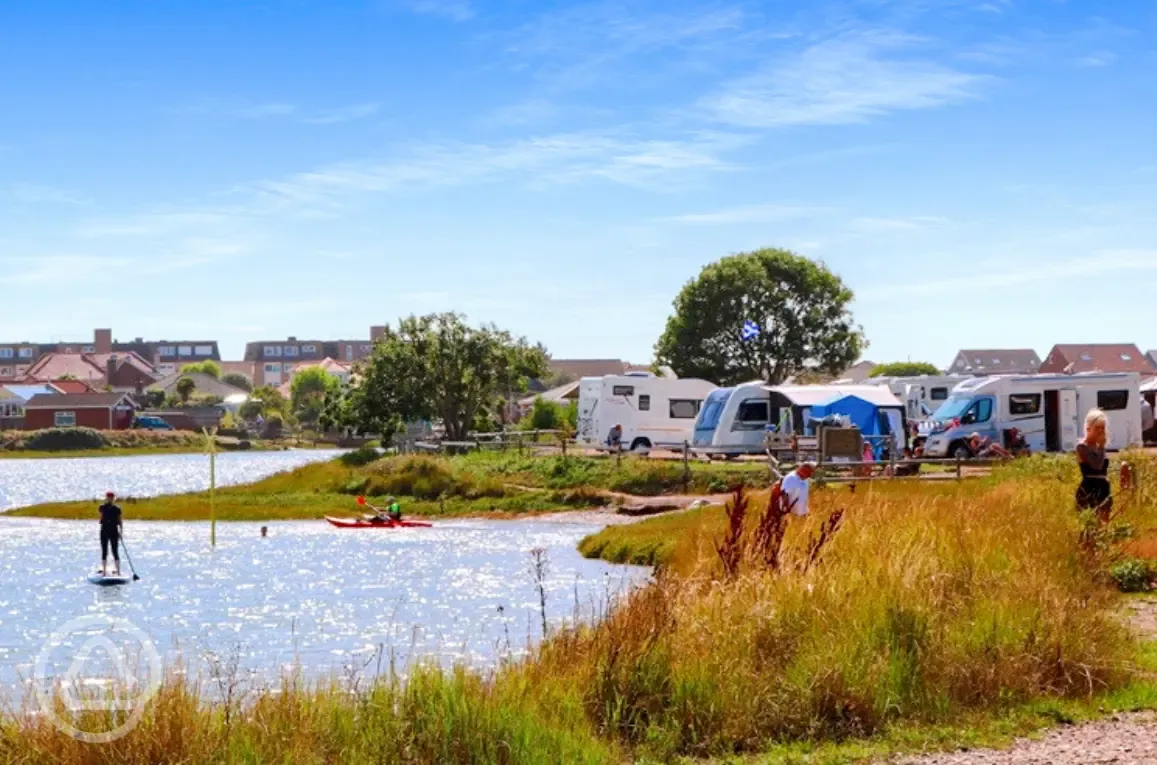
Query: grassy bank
x,y
478,484
22,444
930,616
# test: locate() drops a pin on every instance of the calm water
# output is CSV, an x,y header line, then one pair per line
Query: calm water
x,y
308,595
29,482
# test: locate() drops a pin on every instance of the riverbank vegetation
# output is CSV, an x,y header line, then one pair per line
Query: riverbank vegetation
x,y
87,442
928,615
501,483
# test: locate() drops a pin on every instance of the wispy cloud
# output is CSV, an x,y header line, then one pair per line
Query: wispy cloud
x,y
1104,58
156,223
847,79
343,114
453,10
57,269
884,225
26,193
747,214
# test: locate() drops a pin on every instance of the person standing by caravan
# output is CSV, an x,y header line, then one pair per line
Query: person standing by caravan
x,y
795,487
1094,491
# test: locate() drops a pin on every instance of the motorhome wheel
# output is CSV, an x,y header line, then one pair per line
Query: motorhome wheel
x,y
640,445
960,450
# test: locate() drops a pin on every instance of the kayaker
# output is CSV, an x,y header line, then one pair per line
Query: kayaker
x,y
111,528
393,509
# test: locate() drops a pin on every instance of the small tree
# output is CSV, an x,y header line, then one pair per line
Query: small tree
x,y
238,380
546,415
308,393
905,369
185,388
207,367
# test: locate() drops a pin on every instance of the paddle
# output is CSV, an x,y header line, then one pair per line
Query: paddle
x,y
377,516
130,560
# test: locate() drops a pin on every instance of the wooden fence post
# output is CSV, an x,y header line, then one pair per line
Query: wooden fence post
x,y
686,466
959,473
619,455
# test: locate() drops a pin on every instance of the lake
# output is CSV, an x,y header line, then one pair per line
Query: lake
x,y
311,596
32,481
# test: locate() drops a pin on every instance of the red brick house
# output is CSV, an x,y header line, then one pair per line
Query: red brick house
x,y
1114,357
102,411
122,372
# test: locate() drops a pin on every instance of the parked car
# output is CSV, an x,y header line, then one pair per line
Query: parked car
x,y
152,423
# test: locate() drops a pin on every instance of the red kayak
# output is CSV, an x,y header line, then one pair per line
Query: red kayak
x,y
361,523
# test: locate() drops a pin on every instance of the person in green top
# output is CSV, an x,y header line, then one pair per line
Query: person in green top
x,y
393,509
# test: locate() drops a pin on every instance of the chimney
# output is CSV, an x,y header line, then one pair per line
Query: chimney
x,y
376,333
110,370
102,340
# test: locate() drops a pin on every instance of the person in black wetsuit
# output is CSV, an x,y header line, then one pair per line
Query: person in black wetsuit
x,y
1094,491
110,533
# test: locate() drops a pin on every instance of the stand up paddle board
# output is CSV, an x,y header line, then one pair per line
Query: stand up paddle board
x,y
110,579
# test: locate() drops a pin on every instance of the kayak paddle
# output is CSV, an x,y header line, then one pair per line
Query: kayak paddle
x,y
130,560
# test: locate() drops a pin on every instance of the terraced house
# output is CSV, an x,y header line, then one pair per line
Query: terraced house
x,y
275,360
167,356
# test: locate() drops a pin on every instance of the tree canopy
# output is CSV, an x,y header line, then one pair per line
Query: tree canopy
x,y
437,367
238,380
799,307
308,393
905,369
208,367
185,389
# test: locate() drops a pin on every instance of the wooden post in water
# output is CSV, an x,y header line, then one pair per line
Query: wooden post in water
x,y
211,445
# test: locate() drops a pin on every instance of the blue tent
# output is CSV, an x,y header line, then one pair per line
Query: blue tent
x,y
873,420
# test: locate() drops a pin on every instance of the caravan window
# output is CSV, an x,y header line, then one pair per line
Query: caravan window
x,y
1112,400
1024,403
713,408
980,412
754,411
684,409
938,394
644,403
623,390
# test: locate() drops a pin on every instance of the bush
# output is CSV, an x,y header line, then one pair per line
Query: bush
x,y
1133,575
66,440
360,457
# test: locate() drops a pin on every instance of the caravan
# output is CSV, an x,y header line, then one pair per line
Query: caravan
x,y
652,411
921,395
1048,410
736,421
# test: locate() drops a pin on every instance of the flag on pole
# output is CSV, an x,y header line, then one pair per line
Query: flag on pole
x,y
750,330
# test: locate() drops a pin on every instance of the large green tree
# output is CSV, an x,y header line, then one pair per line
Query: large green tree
x,y
238,380
800,309
308,393
437,367
905,369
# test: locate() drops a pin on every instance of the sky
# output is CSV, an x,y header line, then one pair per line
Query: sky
x,y
981,173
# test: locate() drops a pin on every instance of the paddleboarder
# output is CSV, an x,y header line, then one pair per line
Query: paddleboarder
x,y
111,528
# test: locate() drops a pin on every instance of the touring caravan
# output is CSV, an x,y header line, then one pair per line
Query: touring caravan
x,y
652,411
736,421
921,395
1048,410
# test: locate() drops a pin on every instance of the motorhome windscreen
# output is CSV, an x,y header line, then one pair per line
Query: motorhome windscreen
x,y
955,406
713,408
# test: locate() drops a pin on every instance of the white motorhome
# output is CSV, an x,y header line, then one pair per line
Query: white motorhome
x,y
922,395
1048,410
652,411
736,421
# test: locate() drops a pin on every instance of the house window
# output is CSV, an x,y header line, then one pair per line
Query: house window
x,y
1112,400
287,368
276,368
644,403
204,350
185,350
623,390
1024,403
684,408
367,348
26,353
273,350
5,371
5,353
349,353
291,350
64,419
754,412
88,349
309,349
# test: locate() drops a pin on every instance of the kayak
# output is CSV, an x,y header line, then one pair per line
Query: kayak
x,y
110,579
359,523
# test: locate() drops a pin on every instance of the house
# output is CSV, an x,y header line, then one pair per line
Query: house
x,y
205,385
102,411
562,395
164,355
123,372
1112,357
1006,361
14,397
1152,358
275,360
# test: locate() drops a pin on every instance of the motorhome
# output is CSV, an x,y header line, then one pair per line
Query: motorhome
x,y
922,395
1048,410
651,411
736,421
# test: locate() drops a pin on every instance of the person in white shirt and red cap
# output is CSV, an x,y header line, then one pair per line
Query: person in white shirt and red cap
x,y
795,487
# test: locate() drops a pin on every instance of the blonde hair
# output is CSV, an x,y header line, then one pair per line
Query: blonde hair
x,y
1097,417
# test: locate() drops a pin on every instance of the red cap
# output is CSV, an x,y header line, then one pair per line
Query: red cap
x,y
110,493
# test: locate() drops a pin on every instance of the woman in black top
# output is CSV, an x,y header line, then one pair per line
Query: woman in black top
x,y
110,533
1094,492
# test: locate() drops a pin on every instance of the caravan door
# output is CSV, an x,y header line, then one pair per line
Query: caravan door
x,y
1070,426
587,427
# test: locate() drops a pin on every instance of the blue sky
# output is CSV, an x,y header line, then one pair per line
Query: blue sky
x,y
982,173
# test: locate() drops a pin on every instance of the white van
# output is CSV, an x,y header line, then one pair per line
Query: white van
x,y
1048,410
652,411
922,395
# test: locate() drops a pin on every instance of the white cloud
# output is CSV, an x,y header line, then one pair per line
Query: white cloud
x,y
26,193
453,10
236,108
343,114
746,214
846,79
882,225
59,269
154,224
